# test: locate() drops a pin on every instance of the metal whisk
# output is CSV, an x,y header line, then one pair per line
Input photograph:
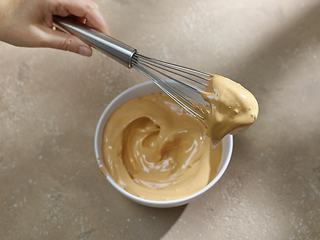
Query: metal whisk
x,y
178,82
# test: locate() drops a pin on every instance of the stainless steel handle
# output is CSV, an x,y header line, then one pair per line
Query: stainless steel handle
x,y
104,43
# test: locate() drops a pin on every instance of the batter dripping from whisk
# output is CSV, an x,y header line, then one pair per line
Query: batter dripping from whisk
x,y
155,150
232,108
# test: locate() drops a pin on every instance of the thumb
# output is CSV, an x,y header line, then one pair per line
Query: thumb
x,y
63,41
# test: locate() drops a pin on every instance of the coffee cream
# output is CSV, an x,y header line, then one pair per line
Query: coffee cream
x,y
155,150
231,110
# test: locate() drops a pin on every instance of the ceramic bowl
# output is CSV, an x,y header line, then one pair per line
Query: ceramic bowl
x,y
140,90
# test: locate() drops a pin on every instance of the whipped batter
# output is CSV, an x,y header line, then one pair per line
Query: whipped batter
x,y
232,108
155,150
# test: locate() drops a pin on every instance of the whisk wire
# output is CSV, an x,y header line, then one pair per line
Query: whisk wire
x,y
165,84
146,66
166,88
177,69
158,71
191,71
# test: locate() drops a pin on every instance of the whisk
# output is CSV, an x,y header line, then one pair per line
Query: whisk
x,y
178,82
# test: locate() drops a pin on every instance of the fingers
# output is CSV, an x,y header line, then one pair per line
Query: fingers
x,y
63,41
81,8
96,20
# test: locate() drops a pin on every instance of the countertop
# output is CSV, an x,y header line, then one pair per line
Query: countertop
x,y
51,101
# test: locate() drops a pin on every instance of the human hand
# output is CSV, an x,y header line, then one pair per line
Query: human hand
x,y
28,23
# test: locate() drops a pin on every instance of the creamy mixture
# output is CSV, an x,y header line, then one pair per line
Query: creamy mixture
x,y
155,150
232,108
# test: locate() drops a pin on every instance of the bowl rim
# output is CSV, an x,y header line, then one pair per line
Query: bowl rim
x,y
227,141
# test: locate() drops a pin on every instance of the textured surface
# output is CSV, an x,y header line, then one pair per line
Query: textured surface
x,y
51,101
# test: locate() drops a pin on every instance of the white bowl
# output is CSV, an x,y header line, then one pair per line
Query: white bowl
x,y
140,90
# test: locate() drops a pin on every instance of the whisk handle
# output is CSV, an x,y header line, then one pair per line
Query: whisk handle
x,y
104,43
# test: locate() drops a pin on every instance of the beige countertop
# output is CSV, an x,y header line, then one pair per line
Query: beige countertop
x,y
51,101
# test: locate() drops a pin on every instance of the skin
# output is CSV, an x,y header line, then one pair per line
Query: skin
x,y
28,23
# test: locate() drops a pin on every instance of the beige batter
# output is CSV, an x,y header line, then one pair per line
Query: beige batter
x,y
155,150
232,108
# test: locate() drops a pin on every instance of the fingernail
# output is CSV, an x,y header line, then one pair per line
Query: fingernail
x,y
85,51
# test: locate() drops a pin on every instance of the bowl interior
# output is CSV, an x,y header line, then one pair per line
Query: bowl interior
x,y
141,90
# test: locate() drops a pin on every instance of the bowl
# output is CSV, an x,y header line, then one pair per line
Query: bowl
x,y
141,90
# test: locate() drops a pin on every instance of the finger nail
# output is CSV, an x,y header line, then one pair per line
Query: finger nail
x,y
85,51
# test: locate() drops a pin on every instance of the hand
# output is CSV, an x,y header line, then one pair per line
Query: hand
x,y
28,23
